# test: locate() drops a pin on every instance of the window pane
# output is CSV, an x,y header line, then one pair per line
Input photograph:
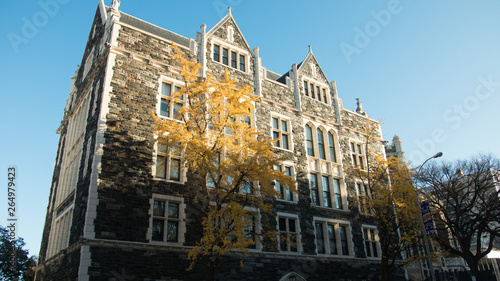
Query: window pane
x,y
284,126
331,145
246,188
164,108
175,169
311,86
275,123
291,225
284,139
216,53
242,63
321,145
172,228
176,111
309,142
314,189
319,239
359,148
159,208
282,224
306,89
331,239
318,93
225,57
324,96
233,59
326,192
160,167
173,210
338,195
276,135
352,147
157,233
343,240
162,148
166,89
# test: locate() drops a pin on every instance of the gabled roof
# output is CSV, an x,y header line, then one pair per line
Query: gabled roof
x,y
154,29
310,56
227,17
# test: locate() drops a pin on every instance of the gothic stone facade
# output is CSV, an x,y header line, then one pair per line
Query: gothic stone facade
x,y
102,223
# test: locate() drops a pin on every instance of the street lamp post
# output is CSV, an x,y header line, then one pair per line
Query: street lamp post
x,y
426,243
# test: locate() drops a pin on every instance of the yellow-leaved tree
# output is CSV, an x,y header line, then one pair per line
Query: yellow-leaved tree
x,y
229,162
388,196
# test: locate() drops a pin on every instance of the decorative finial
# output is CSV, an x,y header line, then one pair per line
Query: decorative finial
x,y
229,10
310,49
115,4
360,107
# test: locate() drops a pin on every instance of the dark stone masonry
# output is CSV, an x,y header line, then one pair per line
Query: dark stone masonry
x,y
99,219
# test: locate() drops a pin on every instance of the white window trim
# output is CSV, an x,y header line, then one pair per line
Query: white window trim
x,y
183,169
295,195
376,241
181,231
258,228
230,48
297,228
336,223
285,118
363,153
174,83
321,85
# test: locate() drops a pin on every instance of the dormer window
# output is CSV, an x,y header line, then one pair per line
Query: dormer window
x,y
230,56
316,91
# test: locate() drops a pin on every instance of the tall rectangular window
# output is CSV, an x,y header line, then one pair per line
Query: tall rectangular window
x,y
281,129
331,238
325,100
343,240
309,141
321,144
313,178
357,155
168,163
331,147
306,89
288,234
338,194
283,191
320,243
170,109
217,53
233,59
311,86
165,221
225,56
318,93
242,63
371,243
326,192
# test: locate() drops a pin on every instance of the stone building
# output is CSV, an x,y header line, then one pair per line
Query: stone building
x,y
99,222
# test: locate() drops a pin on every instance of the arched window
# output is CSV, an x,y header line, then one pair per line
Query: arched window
x,y
309,141
321,145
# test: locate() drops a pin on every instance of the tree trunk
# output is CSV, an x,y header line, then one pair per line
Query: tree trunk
x,y
209,272
384,268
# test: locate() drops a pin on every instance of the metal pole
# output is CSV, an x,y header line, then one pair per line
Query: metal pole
x,y
426,243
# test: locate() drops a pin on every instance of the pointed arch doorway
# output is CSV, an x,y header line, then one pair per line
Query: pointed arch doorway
x,y
292,276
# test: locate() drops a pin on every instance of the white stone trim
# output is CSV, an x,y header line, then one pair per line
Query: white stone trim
x,y
336,223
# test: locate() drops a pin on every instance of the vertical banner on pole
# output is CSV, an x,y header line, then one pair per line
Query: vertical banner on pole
x,y
425,209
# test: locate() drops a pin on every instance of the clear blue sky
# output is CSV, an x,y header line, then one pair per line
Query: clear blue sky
x,y
429,69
